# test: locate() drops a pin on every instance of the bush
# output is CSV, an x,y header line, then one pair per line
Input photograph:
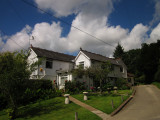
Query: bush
x,y
3,102
106,86
38,89
140,79
74,87
157,75
122,84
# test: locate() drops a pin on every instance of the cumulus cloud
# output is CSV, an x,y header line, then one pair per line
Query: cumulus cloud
x,y
47,36
154,36
156,16
68,7
1,42
136,37
18,41
91,17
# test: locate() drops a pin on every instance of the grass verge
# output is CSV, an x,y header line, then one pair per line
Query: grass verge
x,y
52,109
103,102
156,84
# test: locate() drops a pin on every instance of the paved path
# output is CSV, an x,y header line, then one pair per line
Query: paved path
x,y
101,114
144,106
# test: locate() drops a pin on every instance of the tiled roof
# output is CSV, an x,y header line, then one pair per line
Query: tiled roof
x,y
101,58
52,55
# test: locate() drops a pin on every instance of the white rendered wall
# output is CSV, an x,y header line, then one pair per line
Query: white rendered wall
x,y
83,58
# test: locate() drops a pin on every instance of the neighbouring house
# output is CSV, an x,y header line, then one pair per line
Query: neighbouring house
x,y
55,66
87,59
130,78
58,66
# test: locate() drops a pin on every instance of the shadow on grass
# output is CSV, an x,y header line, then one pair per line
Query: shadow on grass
x,y
39,109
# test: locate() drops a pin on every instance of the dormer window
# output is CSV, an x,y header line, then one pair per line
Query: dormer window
x,y
49,64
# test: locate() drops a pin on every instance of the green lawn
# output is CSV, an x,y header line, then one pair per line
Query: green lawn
x,y
156,84
103,102
52,109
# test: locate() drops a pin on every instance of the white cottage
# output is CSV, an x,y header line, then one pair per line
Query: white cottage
x,y
87,59
55,66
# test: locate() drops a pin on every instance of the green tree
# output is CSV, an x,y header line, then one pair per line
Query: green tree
x,y
118,52
99,72
149,60
131,58
14,70
157,74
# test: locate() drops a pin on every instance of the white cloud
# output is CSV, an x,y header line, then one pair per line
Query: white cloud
x,y
61,7
1,42
136,37
92,17
47,36
18,41
156,16
68,7
155,34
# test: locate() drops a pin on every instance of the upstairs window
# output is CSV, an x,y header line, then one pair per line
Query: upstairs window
x,y
81,64
121,69
49,64
112,67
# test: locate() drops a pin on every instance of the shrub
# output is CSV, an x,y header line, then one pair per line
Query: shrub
x,y
74,87
3,102
122,84
140,79
37,89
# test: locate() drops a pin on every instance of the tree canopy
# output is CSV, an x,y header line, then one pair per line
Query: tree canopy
x,y
14,70
98,72
119,51
143,62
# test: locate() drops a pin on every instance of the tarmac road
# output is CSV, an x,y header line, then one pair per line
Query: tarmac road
x,y
144,106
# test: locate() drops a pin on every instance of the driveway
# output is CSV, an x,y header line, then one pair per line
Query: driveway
x,y
144,106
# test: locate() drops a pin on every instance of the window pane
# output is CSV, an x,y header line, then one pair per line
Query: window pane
x,y
48,64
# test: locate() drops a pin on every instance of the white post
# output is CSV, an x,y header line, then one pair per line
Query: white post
x,y
66,98
85,95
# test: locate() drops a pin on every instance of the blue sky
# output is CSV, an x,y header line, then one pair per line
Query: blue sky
x,y
130,22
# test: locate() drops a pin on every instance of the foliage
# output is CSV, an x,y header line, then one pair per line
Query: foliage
x,y
121,84
3,102
140,79
38,89
157,74
131,58
52,109
79,71
99,73
119,51
149,59
102,102
143,62
108,87
74,87
156,84
14,70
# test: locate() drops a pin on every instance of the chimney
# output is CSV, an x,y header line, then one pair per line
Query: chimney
x,y
80,49
31,46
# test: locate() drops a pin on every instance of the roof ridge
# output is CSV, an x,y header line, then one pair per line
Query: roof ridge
x,y
53,51
96,54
